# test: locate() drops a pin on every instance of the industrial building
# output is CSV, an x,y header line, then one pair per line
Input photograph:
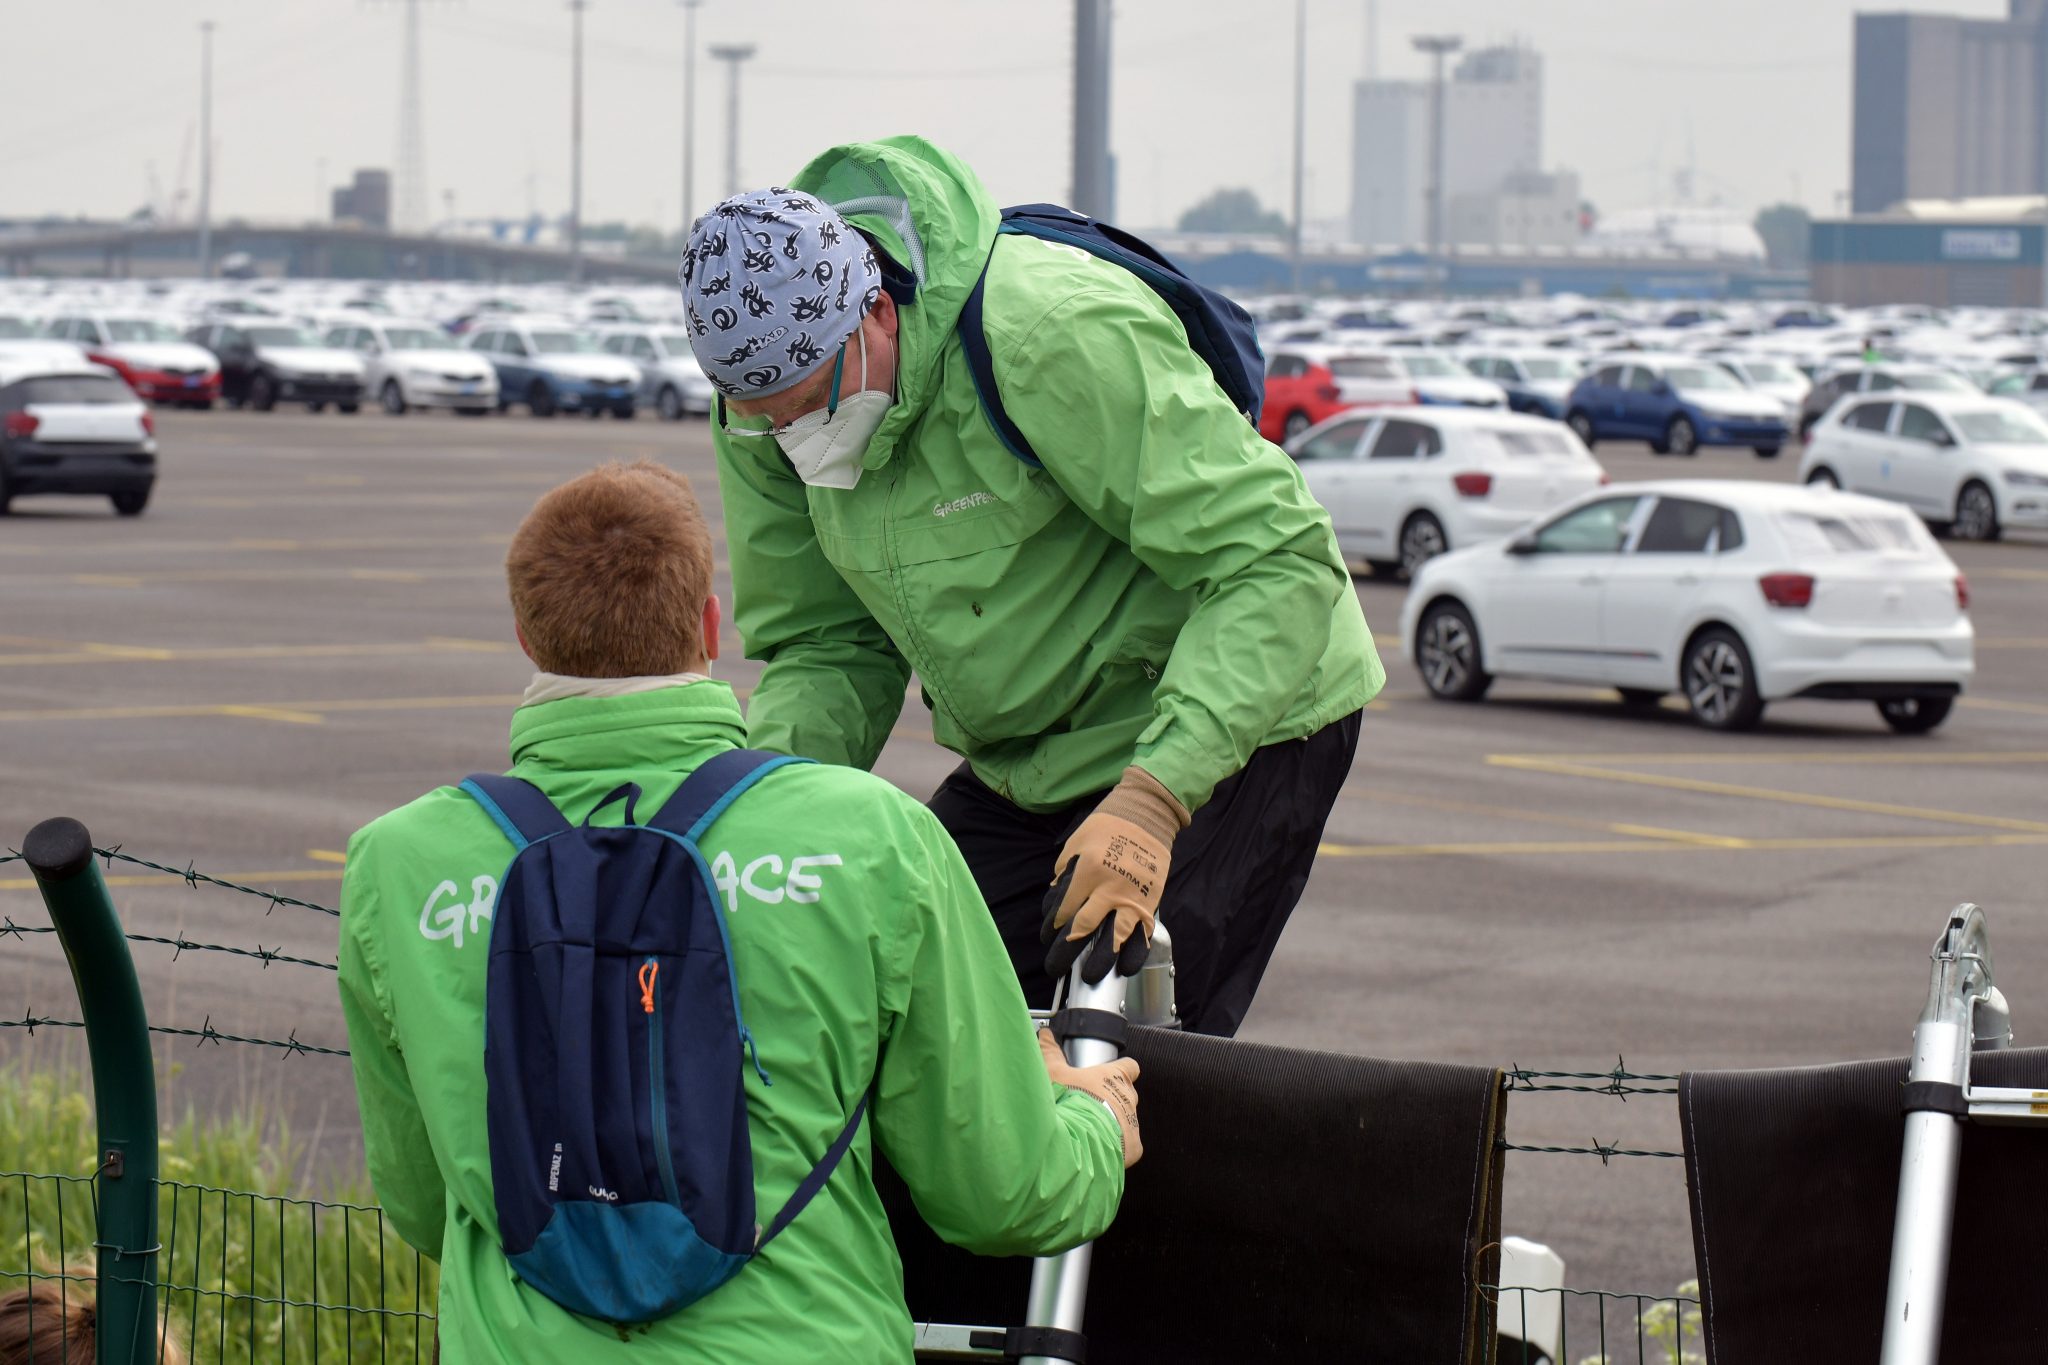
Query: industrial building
x,y
1949,108
1982,252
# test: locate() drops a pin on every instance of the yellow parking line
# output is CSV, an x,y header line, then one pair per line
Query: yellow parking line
x,y
264,710
1579,848
301,874
1682,836
273,713
327,855
2029,708
99,653
1538,763
1896,754
253,543
2012,642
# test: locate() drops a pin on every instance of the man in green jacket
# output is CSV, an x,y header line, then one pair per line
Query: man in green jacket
x,y
861,949
1148,651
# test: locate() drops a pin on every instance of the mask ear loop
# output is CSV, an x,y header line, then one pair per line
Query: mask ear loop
x,y
839,364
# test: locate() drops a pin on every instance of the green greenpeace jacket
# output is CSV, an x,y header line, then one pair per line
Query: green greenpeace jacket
x,y
862,951
1165,591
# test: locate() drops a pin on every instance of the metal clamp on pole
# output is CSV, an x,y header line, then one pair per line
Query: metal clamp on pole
x,y
1964,1012
59,852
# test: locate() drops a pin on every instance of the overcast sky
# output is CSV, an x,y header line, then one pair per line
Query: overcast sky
x,y
1754,92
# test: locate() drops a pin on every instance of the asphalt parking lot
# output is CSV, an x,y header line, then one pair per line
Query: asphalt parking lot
x,y
309,627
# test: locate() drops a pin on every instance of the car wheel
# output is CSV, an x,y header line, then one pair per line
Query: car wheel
x,y
263,393
6,491
1720,682
1447,654
1680,438
348,409
1296,423
1766,452
1639,698
316,407
1582,427
1976,513
1384,568
540,399
392,397
1915,715
1822,477
593,413
669,404
1422,539
129,504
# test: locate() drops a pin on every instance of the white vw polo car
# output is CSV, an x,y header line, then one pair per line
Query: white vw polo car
x,y
1732,593
1968,464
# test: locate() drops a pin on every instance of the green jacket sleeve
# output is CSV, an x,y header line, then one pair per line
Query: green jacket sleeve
x,y
1133,427
999,1159
395,1143
833,683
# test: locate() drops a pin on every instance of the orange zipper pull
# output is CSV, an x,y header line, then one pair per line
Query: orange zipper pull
x,y
647,974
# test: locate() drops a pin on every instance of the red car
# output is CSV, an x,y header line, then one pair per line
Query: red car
x,y
158,364
1305,384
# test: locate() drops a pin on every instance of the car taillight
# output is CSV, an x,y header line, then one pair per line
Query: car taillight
x,y
1605,478
1415,397
148,424
1787,589
1328,393
1473,485
22,423
1962,592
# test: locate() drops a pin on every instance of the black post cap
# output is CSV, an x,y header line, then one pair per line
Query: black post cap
x,y
56,849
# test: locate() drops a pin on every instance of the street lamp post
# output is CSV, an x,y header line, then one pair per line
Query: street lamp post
x,y
690,8
206,149
732,54
1438,46
576,8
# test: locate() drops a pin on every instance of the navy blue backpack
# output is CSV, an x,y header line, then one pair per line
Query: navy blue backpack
x,y
1219,331
612,1054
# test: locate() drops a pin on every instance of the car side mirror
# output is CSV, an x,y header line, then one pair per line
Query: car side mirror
x,y
1942,439
1523,544
1662,390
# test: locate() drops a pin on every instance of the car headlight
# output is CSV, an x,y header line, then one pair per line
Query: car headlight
x,y
2020,479
422,376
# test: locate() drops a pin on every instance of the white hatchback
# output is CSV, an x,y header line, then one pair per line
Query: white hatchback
x,y
1966,463
417,365
1405,484
1734,594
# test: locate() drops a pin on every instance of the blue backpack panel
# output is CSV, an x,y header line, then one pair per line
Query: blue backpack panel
x,y
1219,331
617,1111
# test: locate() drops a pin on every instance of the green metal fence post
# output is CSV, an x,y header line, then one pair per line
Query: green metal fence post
x,y
60,854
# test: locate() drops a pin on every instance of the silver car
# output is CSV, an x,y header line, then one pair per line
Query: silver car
x,y
670,377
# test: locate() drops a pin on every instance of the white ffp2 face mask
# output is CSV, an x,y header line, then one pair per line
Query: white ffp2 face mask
x,y
826,446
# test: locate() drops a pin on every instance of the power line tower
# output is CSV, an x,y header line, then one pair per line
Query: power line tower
x,y
409,204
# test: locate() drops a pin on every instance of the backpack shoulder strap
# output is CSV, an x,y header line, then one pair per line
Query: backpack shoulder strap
x,y
516,806
820,1173
716,784
981,368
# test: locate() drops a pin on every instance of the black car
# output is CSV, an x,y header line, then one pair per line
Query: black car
x,y
264,363
74,430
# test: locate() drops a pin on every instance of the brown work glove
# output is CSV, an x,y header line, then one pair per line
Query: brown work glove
x,y
1114,1083
1109,877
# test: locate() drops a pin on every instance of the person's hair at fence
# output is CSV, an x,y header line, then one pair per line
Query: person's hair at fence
x,y
54,1323
609,574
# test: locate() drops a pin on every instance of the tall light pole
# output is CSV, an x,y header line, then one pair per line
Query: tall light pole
x,y
206,149
732,54
576,8
1438,47
1092,194
1300,126
690,8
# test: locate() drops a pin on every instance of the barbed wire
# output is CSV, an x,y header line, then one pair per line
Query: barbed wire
x,y
182,944
205,1033
1600,1149
1615,1082
192,877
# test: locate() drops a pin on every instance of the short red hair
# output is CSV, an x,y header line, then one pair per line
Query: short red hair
x,y
609,574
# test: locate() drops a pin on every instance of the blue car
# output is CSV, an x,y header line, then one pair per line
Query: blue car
x,y
555,368
1538,383
1677,404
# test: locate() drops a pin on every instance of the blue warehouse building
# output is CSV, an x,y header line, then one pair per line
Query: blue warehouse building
x,y
1965,253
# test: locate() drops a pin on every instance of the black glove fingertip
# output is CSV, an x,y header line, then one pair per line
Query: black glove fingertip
x,y
1055,894
1135,950
1101,955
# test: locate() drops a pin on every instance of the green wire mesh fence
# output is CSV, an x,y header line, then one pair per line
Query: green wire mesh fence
x,y
247,1276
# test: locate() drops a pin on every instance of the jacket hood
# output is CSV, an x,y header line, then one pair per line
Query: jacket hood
x,y
929,211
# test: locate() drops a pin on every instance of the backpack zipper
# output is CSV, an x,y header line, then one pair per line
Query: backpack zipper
x,y
650,1005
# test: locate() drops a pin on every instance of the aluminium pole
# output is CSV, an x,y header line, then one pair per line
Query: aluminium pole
x,y
1300,127
576,8
732,54
206,149
690,8
1438,47
1091,107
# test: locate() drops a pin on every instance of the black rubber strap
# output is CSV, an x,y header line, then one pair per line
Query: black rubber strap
x,y
1100,1025
1934,1097
1015,1343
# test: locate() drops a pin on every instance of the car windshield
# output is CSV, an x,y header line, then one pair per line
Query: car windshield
x,y
1770,372
282,336
417,339
1430,366
563,343
676,343
1529,441
14,329
1935,381
1362,367
139,329
1993,427
1849,533
1549,367
1700,377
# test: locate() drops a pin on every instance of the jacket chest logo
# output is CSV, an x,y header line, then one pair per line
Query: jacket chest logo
x,y
446,916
